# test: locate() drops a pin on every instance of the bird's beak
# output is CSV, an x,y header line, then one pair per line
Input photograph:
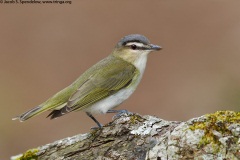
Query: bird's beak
x,y
155,47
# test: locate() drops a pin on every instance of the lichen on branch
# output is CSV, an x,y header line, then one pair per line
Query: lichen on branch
x,y
132,136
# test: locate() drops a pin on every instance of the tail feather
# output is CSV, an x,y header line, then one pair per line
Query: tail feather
x,y
59,113
29,114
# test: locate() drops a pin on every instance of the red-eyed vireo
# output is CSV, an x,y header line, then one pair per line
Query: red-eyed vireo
x,y
103,86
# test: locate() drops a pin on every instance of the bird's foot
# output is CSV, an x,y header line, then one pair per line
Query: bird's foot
x,y
119,113
95,120
97,127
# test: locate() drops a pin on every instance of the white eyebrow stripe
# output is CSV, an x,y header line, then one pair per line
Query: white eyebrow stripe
x,y
135,43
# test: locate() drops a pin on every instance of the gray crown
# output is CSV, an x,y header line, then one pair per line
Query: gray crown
x,y
133,38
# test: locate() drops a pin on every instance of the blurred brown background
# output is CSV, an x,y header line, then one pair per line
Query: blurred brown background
x,y
46,47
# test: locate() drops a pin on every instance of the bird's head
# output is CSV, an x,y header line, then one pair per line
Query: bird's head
x,y
134,46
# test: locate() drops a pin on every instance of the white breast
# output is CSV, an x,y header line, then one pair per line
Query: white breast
x,y
114,100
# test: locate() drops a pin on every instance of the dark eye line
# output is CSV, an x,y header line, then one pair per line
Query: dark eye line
x,y
138,48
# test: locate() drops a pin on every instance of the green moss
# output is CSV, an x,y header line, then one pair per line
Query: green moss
x,y
135,118
218,121
93,132
29,155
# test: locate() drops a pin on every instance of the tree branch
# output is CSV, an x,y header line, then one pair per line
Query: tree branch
x,y
136,137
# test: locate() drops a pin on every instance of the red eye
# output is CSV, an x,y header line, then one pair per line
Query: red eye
x,y
133,46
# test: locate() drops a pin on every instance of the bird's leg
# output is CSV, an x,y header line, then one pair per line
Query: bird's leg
x,y
94,119
119,112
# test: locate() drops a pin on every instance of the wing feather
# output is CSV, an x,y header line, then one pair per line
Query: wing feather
x,y
112,77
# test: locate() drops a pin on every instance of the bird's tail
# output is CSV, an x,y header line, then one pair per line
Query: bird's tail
x,y
33,112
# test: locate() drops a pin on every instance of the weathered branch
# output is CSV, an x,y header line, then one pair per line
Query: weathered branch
x,y
136,137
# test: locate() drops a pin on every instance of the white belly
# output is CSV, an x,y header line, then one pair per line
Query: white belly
x,y
114,100
110,102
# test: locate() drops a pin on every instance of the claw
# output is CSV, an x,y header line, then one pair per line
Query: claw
x,y
97,127
119,113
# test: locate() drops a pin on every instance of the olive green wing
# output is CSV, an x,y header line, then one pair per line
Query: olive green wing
x,y
106,81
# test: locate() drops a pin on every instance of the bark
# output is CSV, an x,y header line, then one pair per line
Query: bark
x,y
136,137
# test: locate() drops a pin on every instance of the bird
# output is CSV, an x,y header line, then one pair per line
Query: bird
x,y
103,86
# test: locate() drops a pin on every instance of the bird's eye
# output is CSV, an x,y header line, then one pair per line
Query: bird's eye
x,y
133,46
